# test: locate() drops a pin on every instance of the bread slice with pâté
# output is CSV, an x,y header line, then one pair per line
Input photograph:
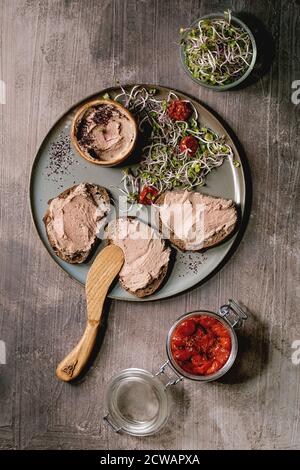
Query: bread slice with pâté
x,y
147,257
216,219
74,219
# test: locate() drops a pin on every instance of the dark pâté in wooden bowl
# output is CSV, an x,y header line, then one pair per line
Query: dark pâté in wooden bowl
x,y
104,132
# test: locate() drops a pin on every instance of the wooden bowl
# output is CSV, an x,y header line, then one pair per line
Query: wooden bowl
x,y
120,156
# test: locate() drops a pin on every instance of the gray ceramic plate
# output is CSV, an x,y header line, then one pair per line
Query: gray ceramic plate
x,y
57,166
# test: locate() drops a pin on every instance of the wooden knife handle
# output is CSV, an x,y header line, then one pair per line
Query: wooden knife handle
x,y
71,366
100,276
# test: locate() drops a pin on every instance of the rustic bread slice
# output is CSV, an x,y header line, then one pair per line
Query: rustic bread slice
x,y
222,233
154,282
101,200
150,288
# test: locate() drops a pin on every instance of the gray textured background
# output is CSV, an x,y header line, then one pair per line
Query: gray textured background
x,y
54,53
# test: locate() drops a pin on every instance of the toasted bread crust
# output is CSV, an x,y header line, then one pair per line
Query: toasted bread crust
x,y
215,240
78,257
155,283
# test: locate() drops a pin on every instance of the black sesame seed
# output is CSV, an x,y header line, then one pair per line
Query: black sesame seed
x,y
60,158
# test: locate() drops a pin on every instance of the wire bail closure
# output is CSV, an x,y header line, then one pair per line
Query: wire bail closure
x,y
108,421
233,313
162,370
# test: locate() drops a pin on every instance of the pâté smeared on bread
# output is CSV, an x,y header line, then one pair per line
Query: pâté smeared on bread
x,y
73,220
194,221
146,255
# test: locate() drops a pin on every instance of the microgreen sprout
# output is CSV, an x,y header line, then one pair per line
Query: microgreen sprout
x,y
163,165
216,51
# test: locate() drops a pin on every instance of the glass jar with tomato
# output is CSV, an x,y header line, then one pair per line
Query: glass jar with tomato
x,y
201,346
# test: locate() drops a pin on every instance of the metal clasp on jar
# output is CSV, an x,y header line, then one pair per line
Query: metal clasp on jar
x,y
116,429
233,313
174,381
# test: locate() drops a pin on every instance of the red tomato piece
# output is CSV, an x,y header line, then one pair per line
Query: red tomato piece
x,y
197,360
207,342
200,332
203,368
188,367
148,195
186,328
179,110
225,342
216,349
189,143
201,345
223,357
215,366
219,329
182,355
206,321
193,349
178,341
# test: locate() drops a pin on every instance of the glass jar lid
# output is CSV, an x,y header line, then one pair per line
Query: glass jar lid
x,y
137,402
